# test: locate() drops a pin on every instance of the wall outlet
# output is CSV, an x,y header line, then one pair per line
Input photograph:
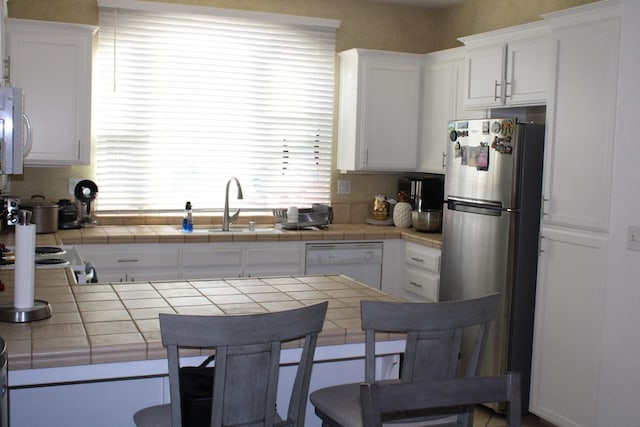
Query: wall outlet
x,y
344,186
72,184
633,238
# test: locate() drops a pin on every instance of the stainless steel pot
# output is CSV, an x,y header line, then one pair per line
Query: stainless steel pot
x,y
44,213
429,221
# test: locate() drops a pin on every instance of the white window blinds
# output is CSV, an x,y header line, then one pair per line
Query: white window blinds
x,y
184,101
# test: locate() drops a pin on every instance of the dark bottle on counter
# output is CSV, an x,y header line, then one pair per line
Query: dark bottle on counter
x,y
187,220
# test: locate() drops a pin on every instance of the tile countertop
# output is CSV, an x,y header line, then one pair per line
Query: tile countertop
x,y
110,323
171,234
119,322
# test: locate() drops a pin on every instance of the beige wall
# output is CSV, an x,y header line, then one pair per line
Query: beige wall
x,y
364,24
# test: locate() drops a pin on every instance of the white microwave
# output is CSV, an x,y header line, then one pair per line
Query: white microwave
x,y
12,136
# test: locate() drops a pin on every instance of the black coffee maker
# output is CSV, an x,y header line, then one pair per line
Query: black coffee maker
x,y
67,215
86,192
426,191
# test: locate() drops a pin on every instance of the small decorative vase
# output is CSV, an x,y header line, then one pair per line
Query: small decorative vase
x,y
402,211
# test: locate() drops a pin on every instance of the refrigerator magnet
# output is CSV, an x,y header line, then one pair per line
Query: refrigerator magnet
x,y
482,161
464,154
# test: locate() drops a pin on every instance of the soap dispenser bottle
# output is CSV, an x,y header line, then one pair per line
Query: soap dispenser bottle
x,y
187,220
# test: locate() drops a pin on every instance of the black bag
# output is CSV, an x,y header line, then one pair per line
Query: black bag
x,y
196,390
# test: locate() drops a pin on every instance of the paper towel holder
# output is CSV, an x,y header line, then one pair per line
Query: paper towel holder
x,y
41,310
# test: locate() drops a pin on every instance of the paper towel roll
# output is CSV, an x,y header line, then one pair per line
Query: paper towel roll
x,y
25,266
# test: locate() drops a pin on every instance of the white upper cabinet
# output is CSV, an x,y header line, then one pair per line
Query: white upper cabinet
x,y
580,121
442,101
508,67
379,110
51,62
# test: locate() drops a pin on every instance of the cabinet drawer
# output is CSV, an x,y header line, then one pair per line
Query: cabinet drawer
x,y
124,258
421,284
423,257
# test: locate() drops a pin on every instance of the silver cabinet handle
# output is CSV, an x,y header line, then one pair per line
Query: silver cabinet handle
x,y
495,90
417,259
417,285
444,160
506,92
129,260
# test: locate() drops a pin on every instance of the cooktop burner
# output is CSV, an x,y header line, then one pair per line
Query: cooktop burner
x,y
51,261
49,250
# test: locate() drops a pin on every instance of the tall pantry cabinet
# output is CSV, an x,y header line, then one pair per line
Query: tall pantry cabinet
x,y
572,270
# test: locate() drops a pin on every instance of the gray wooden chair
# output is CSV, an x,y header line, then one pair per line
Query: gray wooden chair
x,y
432,352
378,399
247,349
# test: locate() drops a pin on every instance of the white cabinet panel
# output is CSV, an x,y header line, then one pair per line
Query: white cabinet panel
x,y
133,262
379,110
508,67
51,62
568,327
579,153
485,76
283,259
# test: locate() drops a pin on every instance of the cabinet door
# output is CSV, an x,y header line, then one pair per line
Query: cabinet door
x,y
528,70
438,99
580,122
568,327
484,76
206,261
51,62
276,260
132,262
390,112
379,110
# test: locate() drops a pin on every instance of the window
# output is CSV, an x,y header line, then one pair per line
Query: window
x,y
186,97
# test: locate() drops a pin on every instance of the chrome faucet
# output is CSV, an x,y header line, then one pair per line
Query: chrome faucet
x,y
227,220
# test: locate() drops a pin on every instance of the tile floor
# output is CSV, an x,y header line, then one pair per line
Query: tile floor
x,y
485,417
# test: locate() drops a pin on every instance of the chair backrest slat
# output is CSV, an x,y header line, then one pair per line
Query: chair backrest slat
x,y
434,334
247,349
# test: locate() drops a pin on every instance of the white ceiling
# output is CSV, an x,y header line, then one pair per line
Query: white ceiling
x,y
422,3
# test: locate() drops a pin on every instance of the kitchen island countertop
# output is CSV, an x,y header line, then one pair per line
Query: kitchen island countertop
x,y
110,323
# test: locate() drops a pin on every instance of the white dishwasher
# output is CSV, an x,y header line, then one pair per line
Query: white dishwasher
x,y
360,261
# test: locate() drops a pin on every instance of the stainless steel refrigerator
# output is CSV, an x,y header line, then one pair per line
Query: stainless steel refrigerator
x,y
491,230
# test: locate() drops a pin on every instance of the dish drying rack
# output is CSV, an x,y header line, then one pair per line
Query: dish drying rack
x,y
317,217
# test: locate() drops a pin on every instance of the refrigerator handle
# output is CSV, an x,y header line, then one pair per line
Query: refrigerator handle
x,y
491,209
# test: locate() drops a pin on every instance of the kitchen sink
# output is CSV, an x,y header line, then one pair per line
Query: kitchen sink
x,y
209,229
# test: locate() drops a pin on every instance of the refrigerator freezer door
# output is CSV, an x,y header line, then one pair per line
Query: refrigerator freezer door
x,y
476,260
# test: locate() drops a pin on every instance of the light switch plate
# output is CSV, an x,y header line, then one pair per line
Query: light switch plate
x,y
72,184
633,238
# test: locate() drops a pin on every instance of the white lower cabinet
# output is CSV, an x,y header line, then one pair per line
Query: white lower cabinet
x,y
281,260
133,262
143,262
206,261
242,259
421,276
567,345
